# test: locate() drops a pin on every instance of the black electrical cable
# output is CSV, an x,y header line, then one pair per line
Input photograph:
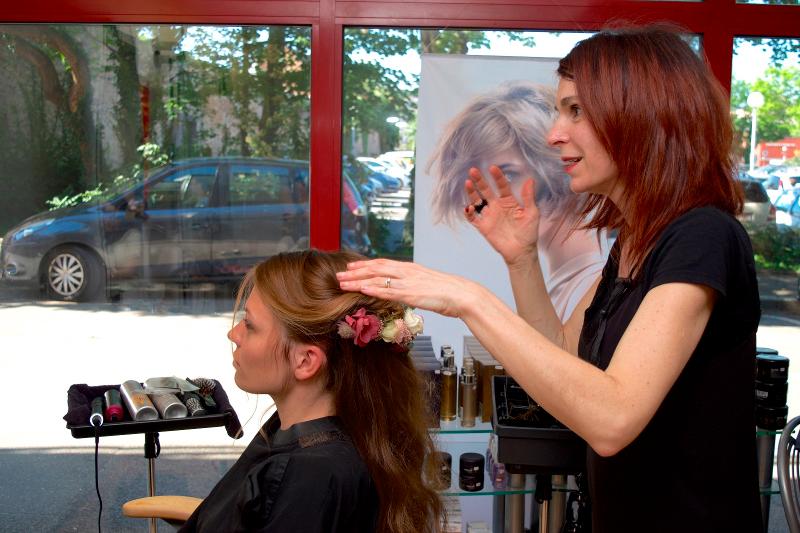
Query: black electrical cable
x,y
96,475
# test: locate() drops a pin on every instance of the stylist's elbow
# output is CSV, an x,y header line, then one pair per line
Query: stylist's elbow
x,y
614,435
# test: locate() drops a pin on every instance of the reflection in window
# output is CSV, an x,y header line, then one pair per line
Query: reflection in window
x,y
765,108
89,112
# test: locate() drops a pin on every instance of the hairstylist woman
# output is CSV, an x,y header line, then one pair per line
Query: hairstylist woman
x,y
662,388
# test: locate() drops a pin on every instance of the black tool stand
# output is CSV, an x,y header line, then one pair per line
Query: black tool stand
x,y
527,449
152,447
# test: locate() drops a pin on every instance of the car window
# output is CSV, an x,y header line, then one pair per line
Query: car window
x,y
260,184
197,192
754,192
188,187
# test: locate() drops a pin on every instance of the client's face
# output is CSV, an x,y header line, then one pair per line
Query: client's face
x,y
261,367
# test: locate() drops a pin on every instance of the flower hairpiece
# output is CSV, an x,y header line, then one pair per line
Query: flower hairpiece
x,y
364,327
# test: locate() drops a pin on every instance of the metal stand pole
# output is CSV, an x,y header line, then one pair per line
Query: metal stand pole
x,y
515,505
543,495
558,505
498,513
765,450
152,448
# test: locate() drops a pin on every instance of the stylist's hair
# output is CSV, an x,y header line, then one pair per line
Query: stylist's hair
x,y
663,117
516,114
376,389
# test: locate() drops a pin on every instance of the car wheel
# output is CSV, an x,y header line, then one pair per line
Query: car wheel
x,y
75,274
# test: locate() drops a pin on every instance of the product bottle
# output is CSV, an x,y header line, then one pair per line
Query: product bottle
x,y
469,389
449,387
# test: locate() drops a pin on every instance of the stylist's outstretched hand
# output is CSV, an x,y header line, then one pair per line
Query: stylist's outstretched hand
x,y
512,229
411,284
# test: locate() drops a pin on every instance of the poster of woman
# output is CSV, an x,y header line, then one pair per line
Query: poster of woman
x,y
477,111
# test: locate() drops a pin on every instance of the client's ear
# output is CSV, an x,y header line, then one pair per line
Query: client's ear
x,y
308,361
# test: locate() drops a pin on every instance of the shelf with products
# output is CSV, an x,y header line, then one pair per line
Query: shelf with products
x,y
458,447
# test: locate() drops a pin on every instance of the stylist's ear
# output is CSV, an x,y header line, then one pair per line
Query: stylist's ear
x,y
308,361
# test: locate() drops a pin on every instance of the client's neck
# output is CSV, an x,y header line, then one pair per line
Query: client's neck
x,y
303,402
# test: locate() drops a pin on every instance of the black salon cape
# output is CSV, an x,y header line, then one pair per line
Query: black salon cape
x,y
306,479
693,467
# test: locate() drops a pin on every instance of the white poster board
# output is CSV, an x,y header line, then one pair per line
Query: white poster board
x,y
447,84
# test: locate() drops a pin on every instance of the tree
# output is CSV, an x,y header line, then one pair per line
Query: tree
x,y
374,91
779,117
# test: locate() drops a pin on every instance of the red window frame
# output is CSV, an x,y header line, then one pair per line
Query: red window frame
x,y
717,21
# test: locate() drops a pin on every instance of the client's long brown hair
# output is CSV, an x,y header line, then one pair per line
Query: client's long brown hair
x,y
377,391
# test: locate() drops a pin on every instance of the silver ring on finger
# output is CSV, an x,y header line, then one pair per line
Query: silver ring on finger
x,y
388,283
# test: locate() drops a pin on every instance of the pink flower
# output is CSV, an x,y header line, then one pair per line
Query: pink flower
x,y
403,335
365,326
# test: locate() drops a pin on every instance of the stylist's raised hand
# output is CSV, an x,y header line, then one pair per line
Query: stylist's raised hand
x,y
510,227
411,284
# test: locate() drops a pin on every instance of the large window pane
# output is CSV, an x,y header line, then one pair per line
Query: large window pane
x,y
144,169
128,130
765,108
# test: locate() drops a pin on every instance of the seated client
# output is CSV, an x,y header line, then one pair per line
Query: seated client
x,y
346,448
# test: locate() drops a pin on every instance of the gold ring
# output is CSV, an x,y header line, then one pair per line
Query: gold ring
x,y
387,283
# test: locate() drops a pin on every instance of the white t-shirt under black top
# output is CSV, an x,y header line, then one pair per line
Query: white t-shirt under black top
x,y
693,467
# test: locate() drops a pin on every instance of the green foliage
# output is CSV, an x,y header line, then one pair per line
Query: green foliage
x,y
151,156
779,117
777,248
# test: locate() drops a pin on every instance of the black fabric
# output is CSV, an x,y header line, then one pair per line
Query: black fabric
x,y
306,479
693,467
80,396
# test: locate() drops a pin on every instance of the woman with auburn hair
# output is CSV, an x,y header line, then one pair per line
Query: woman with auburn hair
x,y
506,127
662,388
348,449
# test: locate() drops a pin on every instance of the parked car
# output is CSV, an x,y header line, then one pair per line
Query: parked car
x,y
762,173
361,173
394,171
203,219
401,158
758,210
788,206
355,234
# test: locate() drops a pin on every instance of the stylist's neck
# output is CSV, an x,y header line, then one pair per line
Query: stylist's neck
x,y
304,402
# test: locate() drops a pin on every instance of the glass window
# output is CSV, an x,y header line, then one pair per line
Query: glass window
x,y
144,170
765,109
183,189
251,185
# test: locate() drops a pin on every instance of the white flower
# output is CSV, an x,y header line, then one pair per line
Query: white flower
x,y
413,321
389,330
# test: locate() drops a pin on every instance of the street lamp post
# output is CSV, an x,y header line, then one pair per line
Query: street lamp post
x,y
754,100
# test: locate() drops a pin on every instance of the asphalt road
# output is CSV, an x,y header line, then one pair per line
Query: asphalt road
x,y
47,477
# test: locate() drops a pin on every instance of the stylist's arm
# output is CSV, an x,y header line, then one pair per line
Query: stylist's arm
x,y
607,408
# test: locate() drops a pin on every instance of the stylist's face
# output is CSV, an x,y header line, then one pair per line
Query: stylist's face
x,y
587,162
261,367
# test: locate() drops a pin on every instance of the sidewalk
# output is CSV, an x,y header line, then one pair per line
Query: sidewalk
x,y
778,292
